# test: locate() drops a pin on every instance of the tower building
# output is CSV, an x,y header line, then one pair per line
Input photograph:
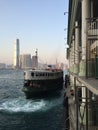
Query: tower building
x,y
16,53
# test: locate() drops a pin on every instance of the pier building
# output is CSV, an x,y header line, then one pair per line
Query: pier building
x,y
82,39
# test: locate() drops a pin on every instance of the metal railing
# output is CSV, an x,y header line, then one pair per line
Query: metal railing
x,y
87,118
92,48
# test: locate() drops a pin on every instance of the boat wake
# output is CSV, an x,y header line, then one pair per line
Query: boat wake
x,y
24,105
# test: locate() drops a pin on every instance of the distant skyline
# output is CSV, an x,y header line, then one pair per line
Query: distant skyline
x,y
37,24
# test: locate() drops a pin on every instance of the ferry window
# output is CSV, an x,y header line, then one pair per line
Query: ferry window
x,y
32,74
37,74
40,74
51,74
24,73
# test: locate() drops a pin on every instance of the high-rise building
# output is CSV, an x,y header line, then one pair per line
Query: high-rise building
x,y
25,61
16,53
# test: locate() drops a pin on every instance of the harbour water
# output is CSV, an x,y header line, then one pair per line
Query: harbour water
x,y
19,113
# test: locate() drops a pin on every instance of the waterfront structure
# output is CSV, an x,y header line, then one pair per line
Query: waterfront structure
x,y
83,64
16,54
25,61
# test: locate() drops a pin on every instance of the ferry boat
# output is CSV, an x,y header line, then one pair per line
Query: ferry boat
x,y
39,82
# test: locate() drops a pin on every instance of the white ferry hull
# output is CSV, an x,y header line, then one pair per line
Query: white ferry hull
x,y
40,86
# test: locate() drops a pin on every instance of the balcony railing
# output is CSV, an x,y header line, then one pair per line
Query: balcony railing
x,y
92,48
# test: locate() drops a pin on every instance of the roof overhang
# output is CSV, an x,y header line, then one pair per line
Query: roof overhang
x,y
73,6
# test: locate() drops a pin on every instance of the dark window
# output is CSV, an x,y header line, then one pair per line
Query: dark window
x,y
95,6
32,74
24,73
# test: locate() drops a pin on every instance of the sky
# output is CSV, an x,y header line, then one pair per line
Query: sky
x,y
37,24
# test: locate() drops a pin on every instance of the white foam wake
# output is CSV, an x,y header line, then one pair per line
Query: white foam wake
x,y
22,105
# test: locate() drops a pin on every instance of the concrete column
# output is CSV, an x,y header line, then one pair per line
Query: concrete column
x,y
91,8
76,66
70,60
85,15
73,49
72,54
73,61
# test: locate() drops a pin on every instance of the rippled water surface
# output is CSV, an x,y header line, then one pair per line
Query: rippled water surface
x,y
19,113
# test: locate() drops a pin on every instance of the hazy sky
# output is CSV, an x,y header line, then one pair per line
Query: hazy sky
x,y
38,24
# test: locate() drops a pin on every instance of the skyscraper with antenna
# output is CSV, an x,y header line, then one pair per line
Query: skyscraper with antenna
x,y
16,54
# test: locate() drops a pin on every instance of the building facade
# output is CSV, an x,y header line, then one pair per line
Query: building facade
x,y
25,61
16,54
34,62
82,53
